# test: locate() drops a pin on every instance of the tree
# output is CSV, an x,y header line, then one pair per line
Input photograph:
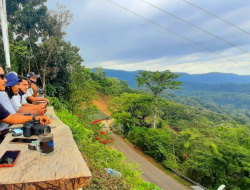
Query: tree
x,y
100,72
131,110
59,85
124,87
28,21
19,54
157,82
82,88
52,40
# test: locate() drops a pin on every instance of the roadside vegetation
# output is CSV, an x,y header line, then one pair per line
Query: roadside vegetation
x,y
208,147
204,141
99,156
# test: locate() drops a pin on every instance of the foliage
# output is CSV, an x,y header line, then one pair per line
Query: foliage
x,y
231,99
101,157
156,143
103,137
109,86
210,148
157,82
102,180
58,104
124,87
131,110
82,88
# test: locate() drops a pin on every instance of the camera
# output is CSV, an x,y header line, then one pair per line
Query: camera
x,y
40,91
33,127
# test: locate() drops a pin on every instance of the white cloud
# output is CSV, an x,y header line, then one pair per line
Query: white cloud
x,y
192,64
113,38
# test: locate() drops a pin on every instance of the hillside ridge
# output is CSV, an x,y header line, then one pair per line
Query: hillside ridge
x,y
207,78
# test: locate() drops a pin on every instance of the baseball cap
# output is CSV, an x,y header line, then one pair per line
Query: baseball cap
x,y
12,79
32,74
22,77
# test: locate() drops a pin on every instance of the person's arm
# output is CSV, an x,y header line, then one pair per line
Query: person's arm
x,y
34,88
19,119
39,106
32,110
34,99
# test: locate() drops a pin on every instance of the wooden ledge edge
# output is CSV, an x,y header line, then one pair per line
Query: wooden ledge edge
x,y
62,184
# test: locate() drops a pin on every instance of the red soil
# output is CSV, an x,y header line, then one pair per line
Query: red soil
x,y
102,104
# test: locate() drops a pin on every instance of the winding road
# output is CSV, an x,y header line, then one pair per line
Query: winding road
x,y
150,172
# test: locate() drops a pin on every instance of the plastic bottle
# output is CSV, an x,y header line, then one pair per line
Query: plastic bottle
x,y
113,172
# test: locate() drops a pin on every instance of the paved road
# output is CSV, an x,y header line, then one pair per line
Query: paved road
x,y
150,172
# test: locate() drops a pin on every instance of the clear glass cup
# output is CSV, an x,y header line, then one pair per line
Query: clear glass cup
x,y
46,143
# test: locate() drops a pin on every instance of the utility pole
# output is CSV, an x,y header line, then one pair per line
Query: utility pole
x,y
4,25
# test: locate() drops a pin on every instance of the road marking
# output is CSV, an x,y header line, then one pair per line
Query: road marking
x,y
144,168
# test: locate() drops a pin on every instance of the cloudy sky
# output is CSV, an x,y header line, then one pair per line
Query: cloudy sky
x,y
113,38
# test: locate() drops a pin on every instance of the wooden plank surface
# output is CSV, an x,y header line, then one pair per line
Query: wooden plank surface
x,y
64,169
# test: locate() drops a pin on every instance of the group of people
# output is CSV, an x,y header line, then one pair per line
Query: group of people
x,y
16,96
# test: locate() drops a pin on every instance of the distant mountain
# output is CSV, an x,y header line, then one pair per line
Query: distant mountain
x,y
215,78
128,76
208,78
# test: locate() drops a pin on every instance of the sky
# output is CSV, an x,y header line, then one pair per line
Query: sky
x,y
114,38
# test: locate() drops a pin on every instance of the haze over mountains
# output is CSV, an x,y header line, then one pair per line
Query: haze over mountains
x,y
208,78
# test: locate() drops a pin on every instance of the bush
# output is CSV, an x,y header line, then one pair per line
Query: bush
x,y
137,136
158,144
58,104
101,157
104,181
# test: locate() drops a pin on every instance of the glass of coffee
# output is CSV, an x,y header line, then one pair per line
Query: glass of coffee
x,y
46,143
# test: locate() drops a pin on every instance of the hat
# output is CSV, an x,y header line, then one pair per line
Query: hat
x,y
32,74
12,79
22,78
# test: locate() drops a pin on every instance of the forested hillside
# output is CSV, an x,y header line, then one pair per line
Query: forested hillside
x,y
210,147
219,92
205,138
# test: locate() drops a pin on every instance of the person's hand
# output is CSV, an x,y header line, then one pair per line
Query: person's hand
x,y
47,100
42,111
33,86
44,119
42,105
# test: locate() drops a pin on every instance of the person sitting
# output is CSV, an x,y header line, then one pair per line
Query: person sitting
x,y
11,119
8,90
20,104
12,90
31,94
7,117
32,79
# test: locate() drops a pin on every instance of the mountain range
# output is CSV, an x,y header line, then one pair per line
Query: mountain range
x,y
207,78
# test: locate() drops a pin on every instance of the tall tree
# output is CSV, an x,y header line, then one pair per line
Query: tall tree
x,y
52,40
28,20
59,86
82,88
157,82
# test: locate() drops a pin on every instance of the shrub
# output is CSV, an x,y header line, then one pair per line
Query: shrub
x,y
137,136
101,157
158,144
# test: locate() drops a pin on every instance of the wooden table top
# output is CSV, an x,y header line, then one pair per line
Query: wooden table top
x,y
64,169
